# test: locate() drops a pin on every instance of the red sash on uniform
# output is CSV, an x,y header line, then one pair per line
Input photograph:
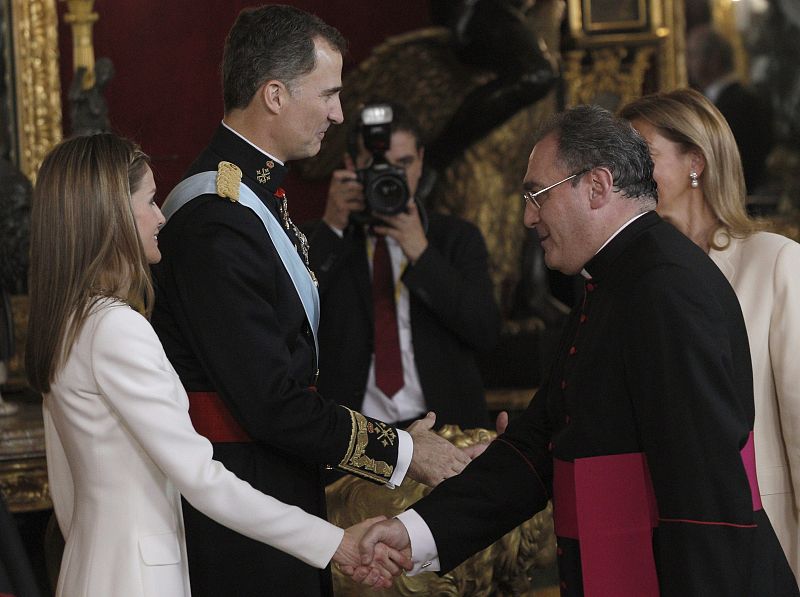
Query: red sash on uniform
x,y
211,418
608,504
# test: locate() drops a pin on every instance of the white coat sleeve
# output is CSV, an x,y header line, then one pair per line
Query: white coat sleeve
x,y
132,372
59,474
784,348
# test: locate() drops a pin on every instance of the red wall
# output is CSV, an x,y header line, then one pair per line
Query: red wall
x,y
166,93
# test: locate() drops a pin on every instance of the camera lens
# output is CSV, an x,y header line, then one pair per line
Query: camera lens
x,y
387,194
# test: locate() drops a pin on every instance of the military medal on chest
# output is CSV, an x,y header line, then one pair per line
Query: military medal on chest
x,y
283,208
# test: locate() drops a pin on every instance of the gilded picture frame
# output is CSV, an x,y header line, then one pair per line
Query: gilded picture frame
x,y
600,22
33,107
614,15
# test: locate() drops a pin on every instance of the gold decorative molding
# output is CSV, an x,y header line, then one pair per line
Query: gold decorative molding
x,y
651,56
723,19
24,485
20,306
36,81
23,471
612,76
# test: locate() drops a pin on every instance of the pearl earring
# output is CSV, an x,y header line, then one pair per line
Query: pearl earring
x,y
694,182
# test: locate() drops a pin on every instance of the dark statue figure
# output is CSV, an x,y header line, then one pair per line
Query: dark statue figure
x,y
494,35
88,108
15,209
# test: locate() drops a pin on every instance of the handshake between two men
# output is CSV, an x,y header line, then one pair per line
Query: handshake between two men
x,y
377,549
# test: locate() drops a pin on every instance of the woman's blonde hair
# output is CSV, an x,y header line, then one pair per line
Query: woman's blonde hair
x,y
84,245
689,119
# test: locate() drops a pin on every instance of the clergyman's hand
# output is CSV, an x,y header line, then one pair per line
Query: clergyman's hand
x,y
434,459
378,574
382,540
500,425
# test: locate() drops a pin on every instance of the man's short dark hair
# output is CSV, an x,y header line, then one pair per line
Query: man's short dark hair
x,y
591,136
271,42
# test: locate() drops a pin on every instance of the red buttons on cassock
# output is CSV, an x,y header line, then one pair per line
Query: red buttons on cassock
x,y
583,317
563,384
572,350
590,287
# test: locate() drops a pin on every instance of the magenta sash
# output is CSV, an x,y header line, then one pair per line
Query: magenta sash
x,y
608,504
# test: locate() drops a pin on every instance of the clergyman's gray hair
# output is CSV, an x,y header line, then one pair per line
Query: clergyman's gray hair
x,y
591,136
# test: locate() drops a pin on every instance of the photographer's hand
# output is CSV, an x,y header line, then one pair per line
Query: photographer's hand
x,y
406,228
345,195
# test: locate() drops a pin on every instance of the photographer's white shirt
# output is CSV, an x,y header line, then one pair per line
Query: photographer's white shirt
x,y
409,402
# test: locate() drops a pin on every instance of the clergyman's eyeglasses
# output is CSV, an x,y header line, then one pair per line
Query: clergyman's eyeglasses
x,y
531,197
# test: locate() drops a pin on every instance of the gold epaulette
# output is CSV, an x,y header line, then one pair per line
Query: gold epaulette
x,y
356,459
229,177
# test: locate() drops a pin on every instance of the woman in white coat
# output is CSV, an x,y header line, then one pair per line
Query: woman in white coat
x,y
121,449
701,192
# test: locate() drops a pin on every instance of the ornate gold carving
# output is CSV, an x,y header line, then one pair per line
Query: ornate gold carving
x,y
356,460
723,18
504,568
82,18
20,307
23,472
608,76
664,35
24,485
229,177
38,92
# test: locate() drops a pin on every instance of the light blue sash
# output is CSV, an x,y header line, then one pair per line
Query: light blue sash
x,y
205,183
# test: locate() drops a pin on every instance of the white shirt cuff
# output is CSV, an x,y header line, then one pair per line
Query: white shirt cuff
x,y
424,554
405,450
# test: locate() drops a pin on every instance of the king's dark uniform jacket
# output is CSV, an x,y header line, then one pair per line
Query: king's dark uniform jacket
x,y
452,311
232,323
653,362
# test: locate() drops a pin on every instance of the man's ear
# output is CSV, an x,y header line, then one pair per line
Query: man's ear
x,y
601,182
273,95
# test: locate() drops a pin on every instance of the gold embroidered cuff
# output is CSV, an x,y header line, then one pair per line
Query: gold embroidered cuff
x,y
356,460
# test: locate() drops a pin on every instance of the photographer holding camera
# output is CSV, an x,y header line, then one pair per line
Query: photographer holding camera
x,y
406,297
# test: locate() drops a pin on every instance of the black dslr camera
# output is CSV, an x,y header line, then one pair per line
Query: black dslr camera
x,y
385,187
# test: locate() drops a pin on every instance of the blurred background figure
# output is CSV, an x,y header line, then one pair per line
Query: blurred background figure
x,y
701,192
710,65
15,208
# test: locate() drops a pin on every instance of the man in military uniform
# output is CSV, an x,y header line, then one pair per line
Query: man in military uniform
x,y
642,434
237,308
